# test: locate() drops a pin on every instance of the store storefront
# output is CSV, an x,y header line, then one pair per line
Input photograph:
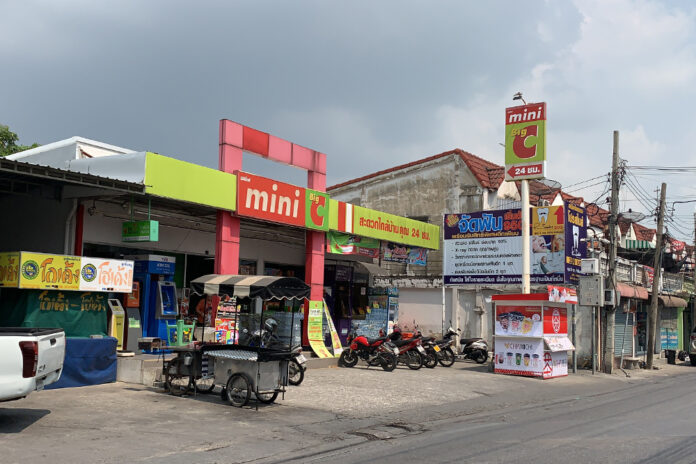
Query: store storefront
x,y
195,221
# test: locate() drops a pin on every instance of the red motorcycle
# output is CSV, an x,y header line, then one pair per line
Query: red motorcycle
x,y
373,351
411,352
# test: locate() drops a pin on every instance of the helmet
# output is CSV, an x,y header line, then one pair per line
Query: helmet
x,y
270,325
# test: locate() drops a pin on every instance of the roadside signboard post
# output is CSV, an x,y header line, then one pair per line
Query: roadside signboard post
x,y
525,158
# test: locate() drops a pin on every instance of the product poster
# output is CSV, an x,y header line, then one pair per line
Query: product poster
x,y
49,272
335,341
576,244
346,244
106,275
315,333
519,356
9,269
518,321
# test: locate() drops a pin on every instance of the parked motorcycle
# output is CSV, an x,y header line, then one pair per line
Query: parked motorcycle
x,y
474,348
440,351
411,351
373,351
296,367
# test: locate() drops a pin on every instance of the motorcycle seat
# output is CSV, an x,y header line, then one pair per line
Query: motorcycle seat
x,y
427,339
372,341
466,341
400,343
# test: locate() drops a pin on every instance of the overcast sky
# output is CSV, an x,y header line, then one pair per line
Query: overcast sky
x,y
371,84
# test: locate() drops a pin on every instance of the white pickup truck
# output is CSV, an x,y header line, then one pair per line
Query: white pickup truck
x,y
30,358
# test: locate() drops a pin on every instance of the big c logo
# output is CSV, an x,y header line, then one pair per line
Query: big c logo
x,y
525,133
316,210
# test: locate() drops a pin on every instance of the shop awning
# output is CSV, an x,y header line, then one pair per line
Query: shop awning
x,y
632,291
639,245
370,268
242,286
669,301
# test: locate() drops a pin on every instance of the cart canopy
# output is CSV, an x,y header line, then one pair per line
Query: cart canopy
x,y
242,286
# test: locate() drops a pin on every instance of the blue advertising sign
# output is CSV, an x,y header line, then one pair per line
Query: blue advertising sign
x,y
576,245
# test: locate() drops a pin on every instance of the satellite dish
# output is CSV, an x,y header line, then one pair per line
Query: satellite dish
x,y
542,187
632,216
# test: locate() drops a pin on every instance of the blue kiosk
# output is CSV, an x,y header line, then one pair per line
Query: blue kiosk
x,y
158,301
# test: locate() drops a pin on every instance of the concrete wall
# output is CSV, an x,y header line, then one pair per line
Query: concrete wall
x,y
421,307
35,222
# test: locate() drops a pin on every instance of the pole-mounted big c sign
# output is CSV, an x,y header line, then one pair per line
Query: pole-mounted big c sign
x,y
525,141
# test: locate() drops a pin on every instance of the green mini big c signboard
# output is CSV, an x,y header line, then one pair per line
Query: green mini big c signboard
x,y
525,142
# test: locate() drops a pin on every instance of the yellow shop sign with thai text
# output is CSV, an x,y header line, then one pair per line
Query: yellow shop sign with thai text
x,y
9,269
397,229
49,272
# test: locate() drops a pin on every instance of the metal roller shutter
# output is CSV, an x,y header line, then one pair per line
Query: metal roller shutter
x,y
623,333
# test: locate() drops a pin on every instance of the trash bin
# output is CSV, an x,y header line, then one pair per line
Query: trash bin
x,y
671,356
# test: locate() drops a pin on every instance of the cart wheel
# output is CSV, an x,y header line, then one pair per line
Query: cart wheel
x,y
178,384
267,398
205,385
295,373
238,390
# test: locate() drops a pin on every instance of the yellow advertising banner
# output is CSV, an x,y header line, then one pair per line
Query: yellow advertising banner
x,y
548,220
397,229
49,272
335,341
9,269
315,333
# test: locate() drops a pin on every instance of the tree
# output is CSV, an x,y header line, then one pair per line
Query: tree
x,y
8,142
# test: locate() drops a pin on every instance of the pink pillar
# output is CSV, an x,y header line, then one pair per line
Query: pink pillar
x,y
314,257
227,228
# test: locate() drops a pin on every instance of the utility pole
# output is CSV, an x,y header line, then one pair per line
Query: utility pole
x,y
610,310
657,265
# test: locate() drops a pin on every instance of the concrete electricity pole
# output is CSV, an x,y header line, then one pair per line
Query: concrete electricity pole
x,y
610,310
657,265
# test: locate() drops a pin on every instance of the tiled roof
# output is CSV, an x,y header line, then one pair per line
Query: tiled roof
x,y
643,233
489,175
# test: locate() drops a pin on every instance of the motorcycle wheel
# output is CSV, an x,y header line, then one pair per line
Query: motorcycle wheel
x,y
348,359
430,360
414,360
295,373
446,357
481,357
388,361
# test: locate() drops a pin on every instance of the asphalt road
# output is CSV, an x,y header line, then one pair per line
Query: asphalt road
x,y
460,414
650,422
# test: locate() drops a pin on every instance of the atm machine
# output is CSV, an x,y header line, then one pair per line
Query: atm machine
x,y
133,325
158,301
115,322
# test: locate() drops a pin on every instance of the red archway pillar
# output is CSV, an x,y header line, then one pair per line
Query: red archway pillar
x,y
227,227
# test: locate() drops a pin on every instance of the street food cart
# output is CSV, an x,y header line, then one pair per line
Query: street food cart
x,y
255,358
531,333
